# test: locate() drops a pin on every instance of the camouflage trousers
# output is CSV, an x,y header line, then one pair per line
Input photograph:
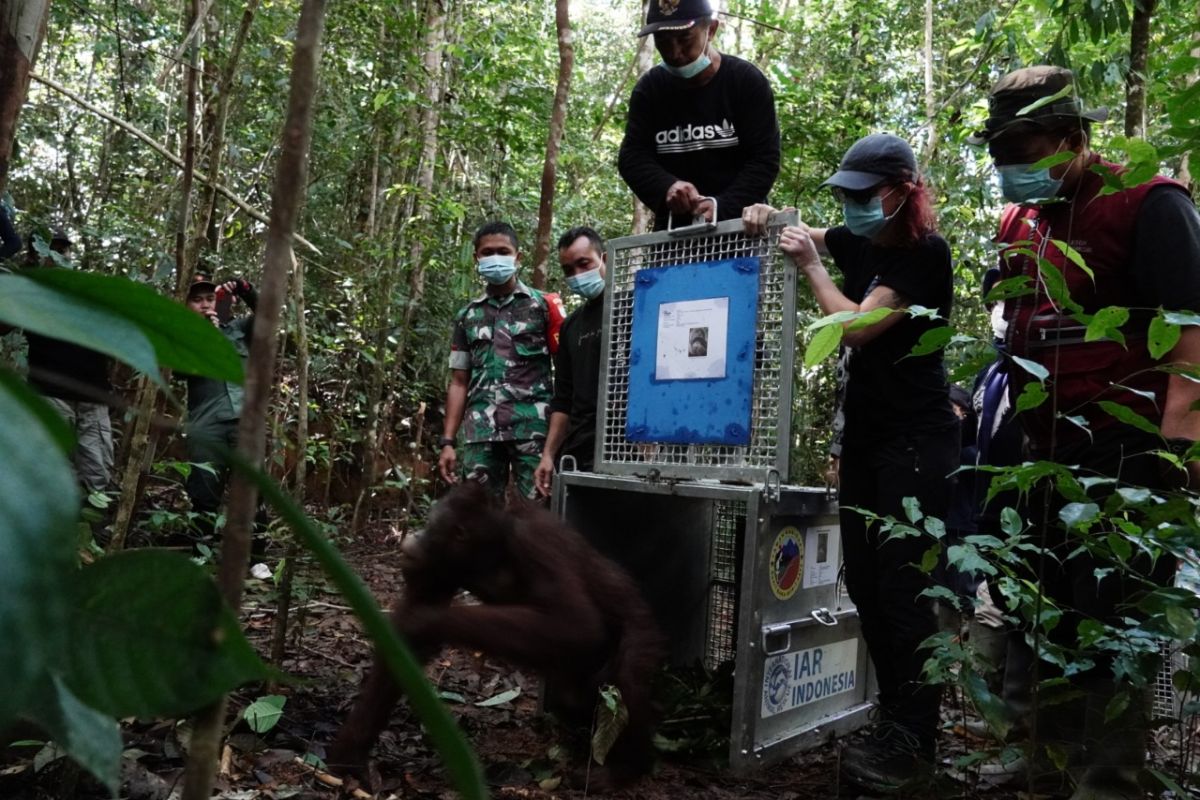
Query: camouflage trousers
x,y
490,462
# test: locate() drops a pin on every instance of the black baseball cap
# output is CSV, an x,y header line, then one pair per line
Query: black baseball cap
x,y
1010,100
872,160
675,15
201,282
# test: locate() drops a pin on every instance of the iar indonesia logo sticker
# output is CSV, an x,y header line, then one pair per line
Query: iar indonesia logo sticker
x,y
808,676
786,563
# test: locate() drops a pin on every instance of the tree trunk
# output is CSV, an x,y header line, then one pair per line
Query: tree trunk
x,y
435,39
207,228
1185,160
1135,81
191,71
930,98
284,604
144,440
645,60
22,29
558,116
131,477
286,198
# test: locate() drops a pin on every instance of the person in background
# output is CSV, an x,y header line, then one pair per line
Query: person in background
x,y
500,386
75,381
900,438
214,407
10,240
701,124
578,361
1142,247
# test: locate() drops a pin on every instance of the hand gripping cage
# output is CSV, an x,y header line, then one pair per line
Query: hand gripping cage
x,y
770,422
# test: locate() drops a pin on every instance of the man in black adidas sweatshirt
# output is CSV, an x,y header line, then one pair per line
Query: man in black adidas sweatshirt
x,y
701,124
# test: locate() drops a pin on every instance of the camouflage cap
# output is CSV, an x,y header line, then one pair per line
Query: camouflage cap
x,y
1033,96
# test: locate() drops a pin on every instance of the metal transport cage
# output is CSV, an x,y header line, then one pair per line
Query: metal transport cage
x,y
770,395
748,574
693,433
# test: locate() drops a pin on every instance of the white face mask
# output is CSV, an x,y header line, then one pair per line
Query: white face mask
x,y
496,270
694,68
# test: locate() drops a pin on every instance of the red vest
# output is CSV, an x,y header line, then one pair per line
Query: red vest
x,y
1101,229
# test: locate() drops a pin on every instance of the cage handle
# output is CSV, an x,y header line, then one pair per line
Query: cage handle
x,y
825,617
698,225
773,633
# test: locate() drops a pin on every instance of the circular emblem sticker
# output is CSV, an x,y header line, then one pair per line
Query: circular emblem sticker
x,y
777,686
786,562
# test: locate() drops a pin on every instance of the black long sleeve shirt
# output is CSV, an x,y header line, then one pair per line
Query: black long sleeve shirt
x,y
577,378
722,137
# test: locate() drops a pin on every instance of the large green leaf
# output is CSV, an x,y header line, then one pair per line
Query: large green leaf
x,y
612,716
1106,324
52,422
27,304
91,738
1129,416
126,320
823,342
264,713
991,707
39,501
1162,337
150,636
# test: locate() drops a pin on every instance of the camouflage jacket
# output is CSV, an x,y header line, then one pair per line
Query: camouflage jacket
x,y
504,342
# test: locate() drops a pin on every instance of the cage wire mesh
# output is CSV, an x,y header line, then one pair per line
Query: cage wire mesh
x,y
770,420
729,521
1168,701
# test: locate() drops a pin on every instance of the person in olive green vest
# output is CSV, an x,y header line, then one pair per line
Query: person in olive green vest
x,y
213,406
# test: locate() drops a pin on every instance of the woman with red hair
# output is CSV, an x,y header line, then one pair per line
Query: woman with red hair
x,y
899,434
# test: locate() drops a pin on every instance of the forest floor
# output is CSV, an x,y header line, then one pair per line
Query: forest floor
x,y
328,656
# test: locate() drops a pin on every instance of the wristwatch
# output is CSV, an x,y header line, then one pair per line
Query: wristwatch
x,y
445,441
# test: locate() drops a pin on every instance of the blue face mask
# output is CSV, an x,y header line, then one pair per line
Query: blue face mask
x,y
1020,184
496,270
867,219
693,69
587,284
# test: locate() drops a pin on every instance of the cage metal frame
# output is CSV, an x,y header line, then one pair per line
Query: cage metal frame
x,y
771,401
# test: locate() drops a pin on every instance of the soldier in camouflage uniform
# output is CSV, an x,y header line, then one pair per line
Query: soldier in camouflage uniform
x,y
499,372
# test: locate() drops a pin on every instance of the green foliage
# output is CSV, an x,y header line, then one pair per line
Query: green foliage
x,y
166,648
126,320
611,718
140,633
264,713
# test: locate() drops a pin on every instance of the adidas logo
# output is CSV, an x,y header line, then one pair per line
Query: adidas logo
x,y
687,138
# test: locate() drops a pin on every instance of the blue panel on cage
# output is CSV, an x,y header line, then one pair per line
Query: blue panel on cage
x,y
691,360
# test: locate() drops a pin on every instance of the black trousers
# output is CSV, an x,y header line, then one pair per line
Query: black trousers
x,y
882,574
1067,571
206,485
208,445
